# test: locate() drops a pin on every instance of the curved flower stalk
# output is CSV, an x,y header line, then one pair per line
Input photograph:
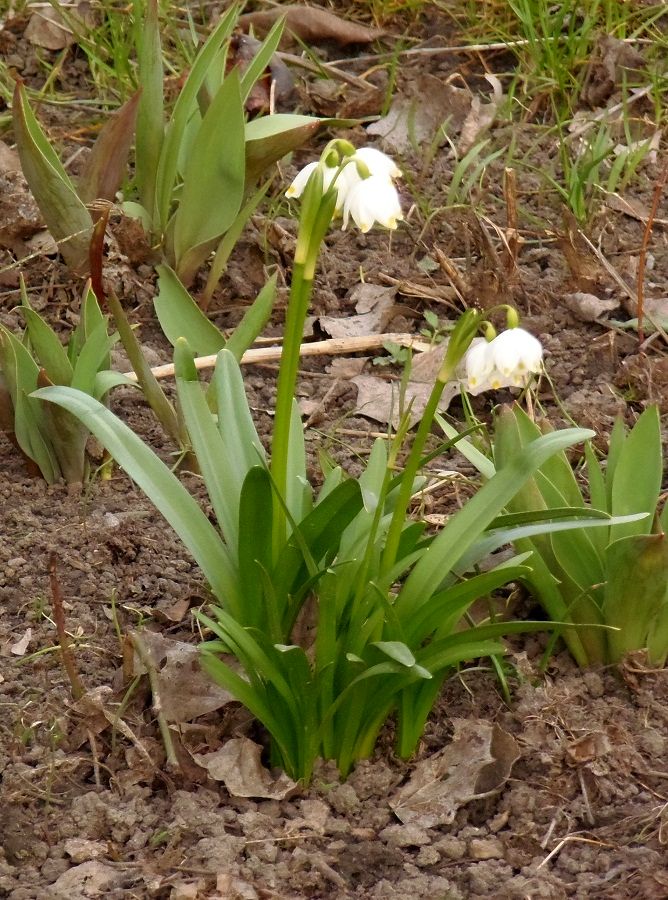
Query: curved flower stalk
x,y
508,360
325,188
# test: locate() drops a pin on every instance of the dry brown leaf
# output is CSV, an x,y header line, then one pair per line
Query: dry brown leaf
x,y
632,207
21,646
237,764
90,879
588,748
611,61
378,398
414,121
475,764
480,116
186,692
49,29
375,306
311,25
588,307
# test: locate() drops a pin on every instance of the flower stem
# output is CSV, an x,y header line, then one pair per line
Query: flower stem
x,y
409,475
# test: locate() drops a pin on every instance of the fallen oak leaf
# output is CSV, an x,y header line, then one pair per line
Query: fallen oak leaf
x,y
237,764
311,25
476,763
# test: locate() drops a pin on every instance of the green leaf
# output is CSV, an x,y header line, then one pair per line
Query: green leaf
x,y
20,374
94,357
222,475
243,447
255,551
184,107
48,349
270,138
253,321
181,317
398,651
636,591
150,114
467,525
636,482
215,169
65,215
164,490
106,166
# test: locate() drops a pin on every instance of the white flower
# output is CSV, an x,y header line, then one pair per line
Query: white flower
x,y
516,354
298,186
372,200
507,361
377,162
479,365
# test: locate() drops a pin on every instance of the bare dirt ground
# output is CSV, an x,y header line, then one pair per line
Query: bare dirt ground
x,y
88,808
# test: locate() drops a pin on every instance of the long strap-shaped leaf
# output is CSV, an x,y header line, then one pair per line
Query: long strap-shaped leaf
x,y
162,487
469,523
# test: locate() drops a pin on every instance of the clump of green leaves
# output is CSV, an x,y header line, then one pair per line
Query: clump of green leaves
x,y
321,634
333,610
205,150
51,437
614,576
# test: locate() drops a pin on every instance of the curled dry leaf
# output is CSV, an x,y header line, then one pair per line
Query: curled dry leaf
x,y
414,121
375,307
588,307
378,399
310,25
48,28
475,764
611,62
185,691
237,764
20,647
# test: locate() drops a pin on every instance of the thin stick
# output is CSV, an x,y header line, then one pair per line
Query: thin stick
x,y
76,686
144,655
333,347
456,48
642,256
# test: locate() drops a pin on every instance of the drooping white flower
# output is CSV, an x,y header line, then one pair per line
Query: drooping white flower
x,y
372,200
478,364
374,161
377,162
516,353
298,186
507,361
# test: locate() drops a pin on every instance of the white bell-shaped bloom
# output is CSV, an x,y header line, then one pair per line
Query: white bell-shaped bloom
x,y
372,200
515,354
507,361
377,162
298,186
478,364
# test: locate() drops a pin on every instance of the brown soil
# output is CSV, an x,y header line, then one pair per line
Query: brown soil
x,y
88,809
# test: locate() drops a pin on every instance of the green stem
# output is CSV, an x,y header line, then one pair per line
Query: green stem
x,y
409,475
300,295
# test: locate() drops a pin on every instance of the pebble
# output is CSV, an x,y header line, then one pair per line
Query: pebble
x,y
404,836
486,848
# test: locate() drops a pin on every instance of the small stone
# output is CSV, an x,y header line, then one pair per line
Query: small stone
x,y
594,683
451,847
486,848
404,836
343,798
428,856
81,850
